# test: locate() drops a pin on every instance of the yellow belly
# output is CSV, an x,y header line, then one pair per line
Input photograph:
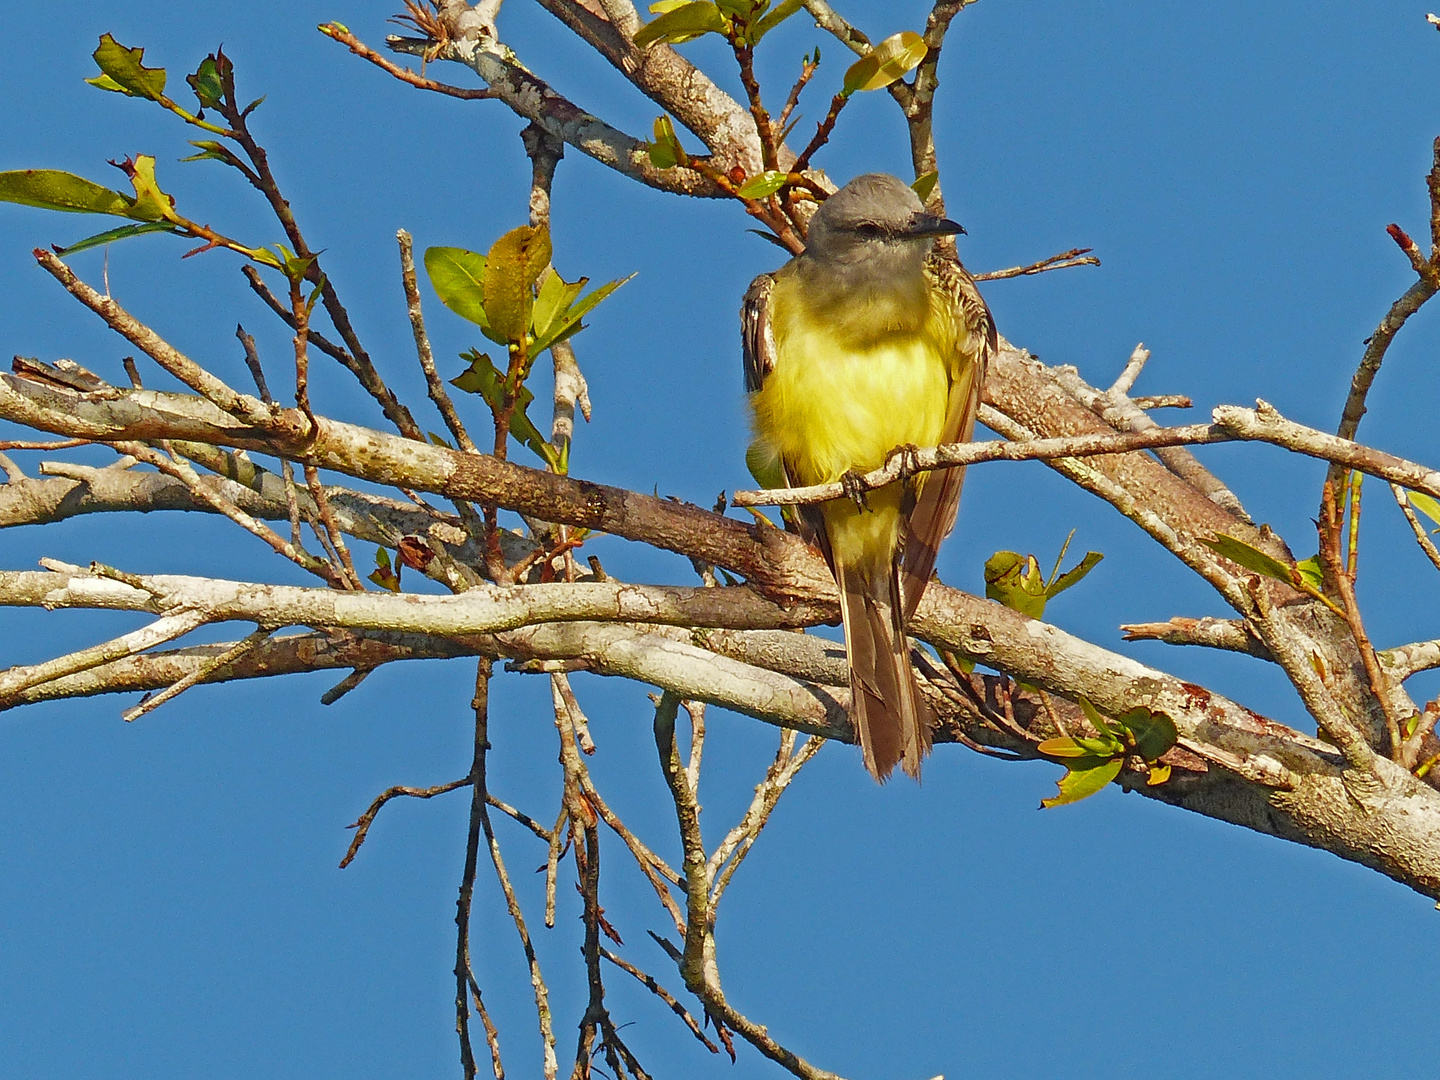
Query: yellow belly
x,y
837,402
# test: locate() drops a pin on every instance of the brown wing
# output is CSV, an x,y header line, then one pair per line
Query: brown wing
x,y
975,342
757,344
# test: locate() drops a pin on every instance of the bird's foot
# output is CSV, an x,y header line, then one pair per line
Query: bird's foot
x,y
854,484
909,456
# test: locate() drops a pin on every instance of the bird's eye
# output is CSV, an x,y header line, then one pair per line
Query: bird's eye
x,y
869,231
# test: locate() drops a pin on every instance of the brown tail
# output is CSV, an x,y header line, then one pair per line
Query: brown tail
x,y
891,719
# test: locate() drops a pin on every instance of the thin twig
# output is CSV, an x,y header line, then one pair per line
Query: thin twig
x,y
1421,536
362,824
16,680
1062,261
1332,557
200,674
345,571
405,75
1139,356
187,476
433,383
480,822
664,995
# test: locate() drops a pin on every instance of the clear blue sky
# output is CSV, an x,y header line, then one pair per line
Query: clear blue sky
x,y
172,906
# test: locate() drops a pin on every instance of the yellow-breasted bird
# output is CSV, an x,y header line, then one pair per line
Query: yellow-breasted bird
x,y
869,342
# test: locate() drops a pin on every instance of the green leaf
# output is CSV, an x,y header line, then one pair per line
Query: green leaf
x,y
122,71
1083,779
51,189
1015,581
762,184
485,379
151,204
1074,575
206,82
666,152
124,232
384,576
458,278
440,440
568,322
892,59
1153,733
512,267
1102,725
782,11
741,9
1158,775
1237,551
1082,746
1426,505
924,185
552,298
213,151
105,82
1311,572
683,23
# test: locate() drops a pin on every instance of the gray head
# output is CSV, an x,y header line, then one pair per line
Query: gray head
x,y
875,219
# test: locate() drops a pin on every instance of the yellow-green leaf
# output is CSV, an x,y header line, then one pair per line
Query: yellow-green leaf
x,y
485,379
1152,733
122,71
762,184
925,184
1311,572
151,204
1102,725
1016,581
1426,505
458,278
207,83
665,152
782,11
110,236
763,461
1158,775
567,323
52,189
1074,575
683,23
513,265
1067,747
892,59
1237,551
1083,779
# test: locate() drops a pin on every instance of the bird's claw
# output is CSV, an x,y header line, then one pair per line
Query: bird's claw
x,y
854,484
909,456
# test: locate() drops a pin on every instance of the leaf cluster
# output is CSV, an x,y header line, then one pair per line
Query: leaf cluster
x,y
123,71
741,21
1091,762
519,301
1016,581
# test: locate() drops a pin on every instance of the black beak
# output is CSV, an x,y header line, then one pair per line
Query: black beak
x,y
930,225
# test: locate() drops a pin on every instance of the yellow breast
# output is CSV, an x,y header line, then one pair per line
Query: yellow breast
x,y
853,383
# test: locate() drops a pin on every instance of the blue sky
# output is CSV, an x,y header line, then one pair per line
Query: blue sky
x,y
172,904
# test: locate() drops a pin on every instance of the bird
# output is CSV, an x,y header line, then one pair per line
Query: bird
x,y
868,342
